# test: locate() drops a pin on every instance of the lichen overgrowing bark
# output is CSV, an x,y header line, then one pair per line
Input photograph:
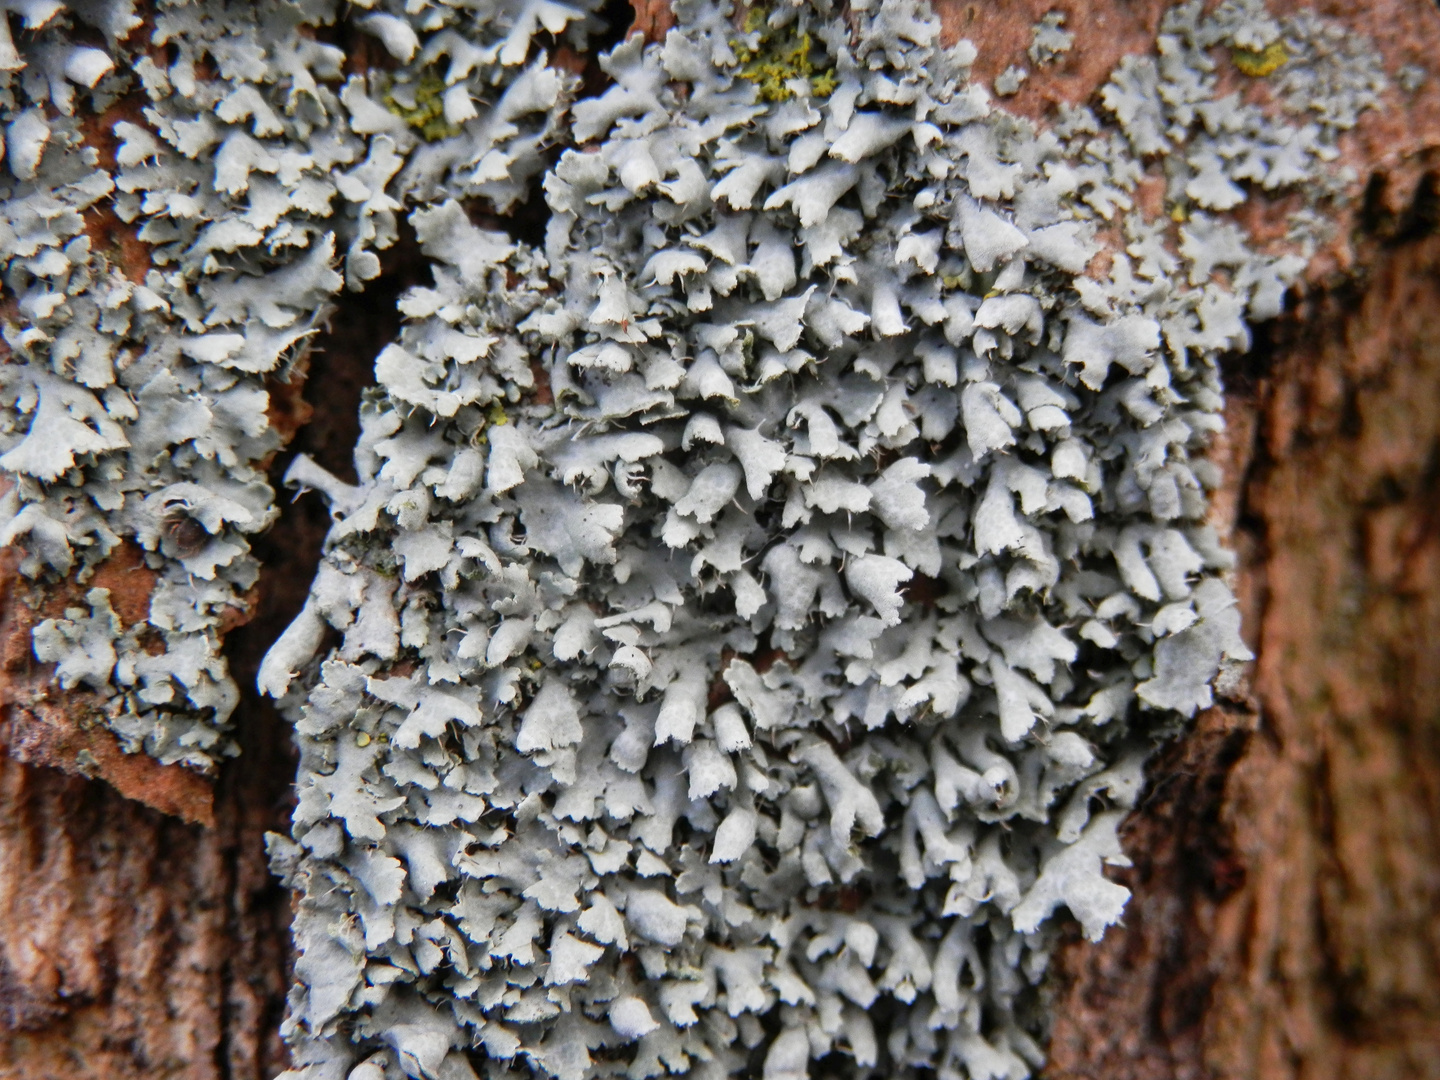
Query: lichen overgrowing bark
x,y
720,318
574,435
1284,919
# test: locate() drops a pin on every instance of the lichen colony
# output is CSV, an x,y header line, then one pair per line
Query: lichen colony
x,y
760,598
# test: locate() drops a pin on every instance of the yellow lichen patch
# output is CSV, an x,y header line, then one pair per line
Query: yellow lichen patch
x,y
428,113
780,57
1259,64
495,416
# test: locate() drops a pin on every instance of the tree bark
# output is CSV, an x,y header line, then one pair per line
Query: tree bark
x,y
1287,872
1286,913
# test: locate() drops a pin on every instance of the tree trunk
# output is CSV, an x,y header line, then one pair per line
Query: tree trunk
x,y
1285,921
1287,876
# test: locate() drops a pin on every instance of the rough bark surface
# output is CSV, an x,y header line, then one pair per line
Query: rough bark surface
x,y
1288,873
134,943
1286,917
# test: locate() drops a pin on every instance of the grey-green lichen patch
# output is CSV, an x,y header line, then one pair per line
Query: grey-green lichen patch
x,y
763,697
1009,81
135,409
133,405
1411,78
1049,40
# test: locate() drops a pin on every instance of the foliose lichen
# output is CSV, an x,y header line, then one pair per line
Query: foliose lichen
x,y
759,601
1009,81
761,697
1049,40
134,404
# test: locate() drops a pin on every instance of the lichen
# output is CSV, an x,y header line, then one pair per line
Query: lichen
x,y
1049,40
772,56
759,599
1009,81
1258,64
763,696
133,408
134,404
1411,78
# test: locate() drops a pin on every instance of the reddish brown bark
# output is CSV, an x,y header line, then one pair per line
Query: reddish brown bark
x,y
134,944
40,724
653,19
